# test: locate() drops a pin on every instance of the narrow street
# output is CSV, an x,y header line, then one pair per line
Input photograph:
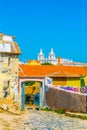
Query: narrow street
x,y
40,120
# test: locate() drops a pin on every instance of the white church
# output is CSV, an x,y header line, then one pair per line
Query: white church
x,y
52,58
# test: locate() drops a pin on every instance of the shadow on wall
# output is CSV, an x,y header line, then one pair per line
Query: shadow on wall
x,y
62,99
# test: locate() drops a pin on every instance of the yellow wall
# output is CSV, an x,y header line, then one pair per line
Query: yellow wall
x,y
59,81
85,79
66,81
33,62
73,82
28,90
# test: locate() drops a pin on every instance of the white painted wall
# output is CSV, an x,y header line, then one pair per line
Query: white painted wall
x,y
6,47
7,38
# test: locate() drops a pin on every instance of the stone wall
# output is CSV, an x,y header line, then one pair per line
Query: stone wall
x,y
62,99
8,74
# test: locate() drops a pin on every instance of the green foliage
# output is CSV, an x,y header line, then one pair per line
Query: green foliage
x,y
46,63
60,111
82,82
46,109
29,83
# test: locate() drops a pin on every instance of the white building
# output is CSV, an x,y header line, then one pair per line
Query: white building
x,y
57,61
52,58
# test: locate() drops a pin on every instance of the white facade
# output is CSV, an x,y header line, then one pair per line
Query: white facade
x,y
41,55
51,57
53,60
7,38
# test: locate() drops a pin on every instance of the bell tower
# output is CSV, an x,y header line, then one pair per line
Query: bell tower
x,y
51,54
41,55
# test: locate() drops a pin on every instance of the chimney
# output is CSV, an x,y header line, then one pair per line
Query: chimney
x,y
59,63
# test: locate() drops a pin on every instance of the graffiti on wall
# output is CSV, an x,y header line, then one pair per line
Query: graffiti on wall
x,y
70,88
75,89
48,81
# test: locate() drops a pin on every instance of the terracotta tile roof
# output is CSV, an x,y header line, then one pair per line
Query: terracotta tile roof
x,y
56,71
63,74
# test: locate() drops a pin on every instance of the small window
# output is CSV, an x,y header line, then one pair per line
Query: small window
x,y
0,37
9,60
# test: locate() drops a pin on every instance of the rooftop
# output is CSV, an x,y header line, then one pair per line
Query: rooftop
x,y
51,71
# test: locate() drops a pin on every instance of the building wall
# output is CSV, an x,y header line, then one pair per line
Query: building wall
x,y
28,90
73,82
61,99
8,74
33,62
85,79
66,81
59,81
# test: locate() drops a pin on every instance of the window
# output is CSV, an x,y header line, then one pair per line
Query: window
x,y
6,88
9,60
0,37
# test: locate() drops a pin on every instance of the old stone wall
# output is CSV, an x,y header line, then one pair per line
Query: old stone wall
x,y
8,75
62,99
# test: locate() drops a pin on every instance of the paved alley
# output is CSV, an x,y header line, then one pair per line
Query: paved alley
x,y
43,120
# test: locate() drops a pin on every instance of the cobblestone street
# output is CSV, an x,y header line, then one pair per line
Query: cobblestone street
x,y
43,120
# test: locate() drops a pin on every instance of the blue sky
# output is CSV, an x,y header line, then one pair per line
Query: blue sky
x,y
58,24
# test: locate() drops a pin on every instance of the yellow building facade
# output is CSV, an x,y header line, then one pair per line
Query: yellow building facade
x,y
29,89
33,62
63,81
85,80
73,82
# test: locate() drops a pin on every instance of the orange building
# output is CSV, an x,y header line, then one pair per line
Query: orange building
x,y
61,75
33,62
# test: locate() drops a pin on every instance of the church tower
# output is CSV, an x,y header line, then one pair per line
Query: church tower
x,y
41,55
51,54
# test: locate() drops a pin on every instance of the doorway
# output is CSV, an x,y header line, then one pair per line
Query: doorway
x,y
31,95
